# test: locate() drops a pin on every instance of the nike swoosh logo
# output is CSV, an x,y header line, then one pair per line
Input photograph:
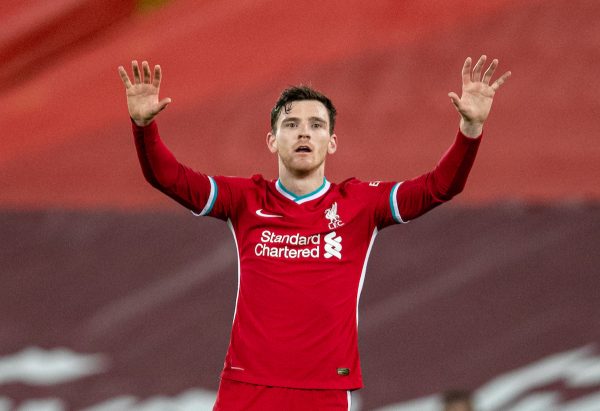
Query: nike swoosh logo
x,y
260,213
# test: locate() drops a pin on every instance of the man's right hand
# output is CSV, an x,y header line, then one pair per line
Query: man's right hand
x,y
142,95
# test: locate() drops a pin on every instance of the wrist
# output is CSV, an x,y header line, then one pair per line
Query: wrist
x,y
141,123
471,129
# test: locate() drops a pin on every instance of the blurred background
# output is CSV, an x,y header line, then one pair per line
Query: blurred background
x,y
113,297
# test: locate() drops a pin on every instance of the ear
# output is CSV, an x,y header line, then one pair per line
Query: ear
x,y
332,145
271,142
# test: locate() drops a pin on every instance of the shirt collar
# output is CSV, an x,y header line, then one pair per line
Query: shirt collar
x,y
306,197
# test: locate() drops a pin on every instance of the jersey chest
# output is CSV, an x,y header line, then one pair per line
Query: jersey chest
x,y
332,229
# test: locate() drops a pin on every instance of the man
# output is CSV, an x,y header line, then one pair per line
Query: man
x,y
302,241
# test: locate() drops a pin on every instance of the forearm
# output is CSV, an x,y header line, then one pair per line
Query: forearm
x,y
419,195
162,170
158,164
450,175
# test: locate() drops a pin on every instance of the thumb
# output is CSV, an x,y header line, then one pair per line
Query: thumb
x,y
163,104
454,99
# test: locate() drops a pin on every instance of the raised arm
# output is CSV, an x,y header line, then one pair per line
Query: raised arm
x,y
417,196
160,167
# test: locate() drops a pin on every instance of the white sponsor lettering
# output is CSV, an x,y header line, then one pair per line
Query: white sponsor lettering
x,y
294,239
297,246
263,250
289,245
333,245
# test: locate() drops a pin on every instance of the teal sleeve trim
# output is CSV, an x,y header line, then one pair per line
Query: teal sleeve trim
x,y
394,204
212,197
214,191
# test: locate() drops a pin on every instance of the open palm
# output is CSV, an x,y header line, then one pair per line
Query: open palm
x,y
477,94
142,94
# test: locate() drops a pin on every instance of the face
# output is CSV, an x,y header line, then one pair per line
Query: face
x,y
302,139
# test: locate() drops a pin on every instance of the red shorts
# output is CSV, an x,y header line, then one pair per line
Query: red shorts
x,y
241,396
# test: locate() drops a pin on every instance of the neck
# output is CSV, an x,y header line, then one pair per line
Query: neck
x,y
302,184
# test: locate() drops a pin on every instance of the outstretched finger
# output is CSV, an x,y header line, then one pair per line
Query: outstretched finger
x,y
490,72
501,80
466,71
137,79
157,76
478,67
146,70
124,77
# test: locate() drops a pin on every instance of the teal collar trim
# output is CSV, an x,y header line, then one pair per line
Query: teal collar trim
x,y
304,198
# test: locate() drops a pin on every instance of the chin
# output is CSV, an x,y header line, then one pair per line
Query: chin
x,y
304,169
302,166
301,170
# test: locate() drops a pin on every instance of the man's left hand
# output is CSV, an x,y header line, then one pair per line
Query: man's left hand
x,y
477,95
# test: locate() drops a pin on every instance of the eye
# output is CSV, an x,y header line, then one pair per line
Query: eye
x,y
290,125
317,125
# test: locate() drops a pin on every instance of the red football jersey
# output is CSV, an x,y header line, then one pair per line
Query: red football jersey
x,y
301,260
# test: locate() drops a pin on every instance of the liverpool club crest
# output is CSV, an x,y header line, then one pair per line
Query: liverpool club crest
x,y
334,219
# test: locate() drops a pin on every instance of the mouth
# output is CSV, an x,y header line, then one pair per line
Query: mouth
x,y
303,149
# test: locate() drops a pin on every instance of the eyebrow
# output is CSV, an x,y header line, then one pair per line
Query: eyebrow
x,y
317,119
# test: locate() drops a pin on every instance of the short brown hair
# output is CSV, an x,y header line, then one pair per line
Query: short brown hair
x,y
299,93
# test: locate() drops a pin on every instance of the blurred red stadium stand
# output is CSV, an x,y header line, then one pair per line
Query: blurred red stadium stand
x,y
387,65
34,32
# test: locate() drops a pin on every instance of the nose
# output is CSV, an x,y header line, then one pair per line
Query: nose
x,y
303,131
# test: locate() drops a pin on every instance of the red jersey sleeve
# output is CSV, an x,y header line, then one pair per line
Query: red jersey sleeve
x,y
198,192
407,200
